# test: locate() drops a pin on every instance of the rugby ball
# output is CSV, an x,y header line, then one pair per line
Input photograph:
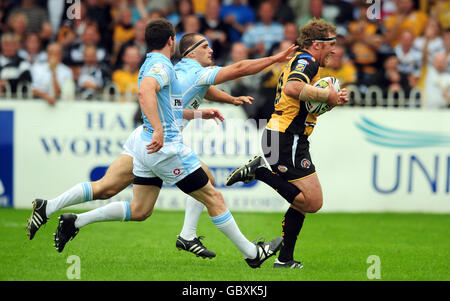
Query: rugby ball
x,y
317,107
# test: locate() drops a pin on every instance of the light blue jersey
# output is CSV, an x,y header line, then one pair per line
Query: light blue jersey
x,y
170,106
181,87
194,81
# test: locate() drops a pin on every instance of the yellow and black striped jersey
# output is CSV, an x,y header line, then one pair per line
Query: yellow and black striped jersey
x,y
290,114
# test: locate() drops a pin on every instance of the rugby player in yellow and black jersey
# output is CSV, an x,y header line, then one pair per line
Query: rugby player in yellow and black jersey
x,y
285,139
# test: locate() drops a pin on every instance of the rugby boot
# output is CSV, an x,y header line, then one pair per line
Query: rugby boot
x,y
245,173
38,217
66,230
194,246
291,264
264,251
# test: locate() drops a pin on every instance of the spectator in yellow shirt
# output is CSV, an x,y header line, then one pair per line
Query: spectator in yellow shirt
x,y
340,68
405,18
364,39
126,78
441,13
123,29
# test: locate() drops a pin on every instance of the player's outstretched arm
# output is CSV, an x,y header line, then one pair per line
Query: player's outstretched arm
x,y
149,105
248,67
217,95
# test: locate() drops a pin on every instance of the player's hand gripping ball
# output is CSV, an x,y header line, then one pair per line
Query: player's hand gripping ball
x,y
317,107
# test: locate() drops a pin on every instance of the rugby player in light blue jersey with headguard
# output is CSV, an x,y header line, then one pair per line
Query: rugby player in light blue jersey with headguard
x,y
160,155
196,74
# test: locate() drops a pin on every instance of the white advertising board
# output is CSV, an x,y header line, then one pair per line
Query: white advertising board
x,y
367,159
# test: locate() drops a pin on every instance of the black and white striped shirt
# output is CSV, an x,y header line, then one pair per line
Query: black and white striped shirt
x,y
14,70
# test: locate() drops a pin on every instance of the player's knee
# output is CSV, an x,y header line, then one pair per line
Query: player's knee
x,y
315,205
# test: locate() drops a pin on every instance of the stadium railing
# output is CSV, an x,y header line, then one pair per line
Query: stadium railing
x,y
373,96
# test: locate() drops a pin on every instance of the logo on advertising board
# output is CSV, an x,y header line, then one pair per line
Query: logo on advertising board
x,y
417,156
6,158
381,135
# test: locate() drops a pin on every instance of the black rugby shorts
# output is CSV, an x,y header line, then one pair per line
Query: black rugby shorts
x,y
287,154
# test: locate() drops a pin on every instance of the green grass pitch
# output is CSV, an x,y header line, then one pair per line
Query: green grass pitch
x,y
332,246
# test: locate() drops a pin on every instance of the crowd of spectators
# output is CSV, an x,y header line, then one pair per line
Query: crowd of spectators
x,y
89,44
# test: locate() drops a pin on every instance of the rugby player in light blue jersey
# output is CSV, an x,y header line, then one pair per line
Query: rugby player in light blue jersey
x,y
196,74
119,174
160,155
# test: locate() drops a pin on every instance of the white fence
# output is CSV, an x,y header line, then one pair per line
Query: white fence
x,y
373,95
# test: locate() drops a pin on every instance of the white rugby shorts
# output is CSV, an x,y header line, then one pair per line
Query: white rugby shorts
x,y
172,163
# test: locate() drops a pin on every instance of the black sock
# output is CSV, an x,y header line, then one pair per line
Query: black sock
x,y
287,190
291,225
